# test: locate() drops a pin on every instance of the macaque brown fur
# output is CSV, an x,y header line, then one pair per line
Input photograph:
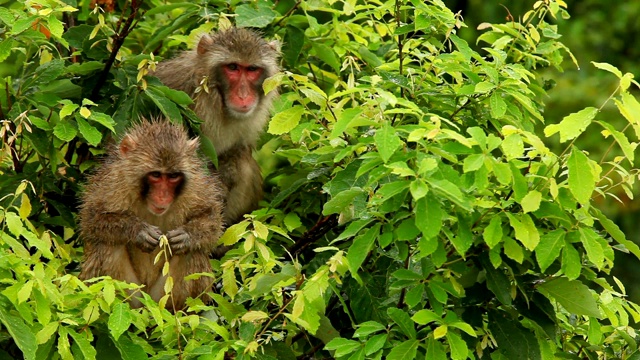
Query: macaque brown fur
x,y
124,212
234,110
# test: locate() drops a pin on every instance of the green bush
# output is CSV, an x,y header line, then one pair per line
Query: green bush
x,y
412,209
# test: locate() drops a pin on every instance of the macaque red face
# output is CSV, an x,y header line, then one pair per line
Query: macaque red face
x,y
244,88
163,189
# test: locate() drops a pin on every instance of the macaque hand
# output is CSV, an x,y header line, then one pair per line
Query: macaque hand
x,y
179,240
148,238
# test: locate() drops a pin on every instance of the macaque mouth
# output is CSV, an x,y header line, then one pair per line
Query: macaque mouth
x,y
157,210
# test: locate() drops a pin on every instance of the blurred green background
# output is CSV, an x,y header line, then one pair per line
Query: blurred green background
x,y
600,31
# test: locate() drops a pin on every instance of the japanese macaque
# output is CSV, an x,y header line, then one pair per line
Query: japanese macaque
x,y
224,76
152,184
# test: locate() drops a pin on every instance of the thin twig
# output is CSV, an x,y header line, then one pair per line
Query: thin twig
x,y
118,41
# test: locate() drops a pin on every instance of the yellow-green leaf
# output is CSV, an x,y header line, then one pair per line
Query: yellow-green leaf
x,y
582,183
572,125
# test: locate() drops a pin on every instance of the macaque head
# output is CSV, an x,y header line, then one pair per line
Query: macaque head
x,y
159,162
239,60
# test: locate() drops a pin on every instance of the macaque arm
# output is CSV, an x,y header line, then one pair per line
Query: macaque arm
x,y
199,233
114,229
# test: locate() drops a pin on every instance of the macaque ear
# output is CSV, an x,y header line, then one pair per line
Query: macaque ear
x,y
203,45
126,145
193,144
275,45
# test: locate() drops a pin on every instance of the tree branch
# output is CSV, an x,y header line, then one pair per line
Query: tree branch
x,y
312,235
118,41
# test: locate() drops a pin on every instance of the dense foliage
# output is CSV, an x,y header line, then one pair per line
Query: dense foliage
x,y
412,207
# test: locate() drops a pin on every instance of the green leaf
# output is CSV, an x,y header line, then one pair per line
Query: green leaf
x,y
227,309
361,246
5,48
520,186
19,331
615,232
513,146
342,346
549,248
484,87
497,281
65,131
119,320
525,229
621,139
464,327
497,105
571,262
209,150
387,141
294,39
375,343
80,339
531,202
50,71
406,350
22,24
428,216
47,332
344,119
406,274
458,347
403,320
572,125
573,295
183,21
629,107
104,120
435,350
582,182
607,67
91,134
327,55
473,162
55,26
14,244
285,121
255,16
67,109
419,189
177,96
514,341
166,106
424,317
590,241
14,223
450,191
341,201
368,328
130,350
492,234
595,332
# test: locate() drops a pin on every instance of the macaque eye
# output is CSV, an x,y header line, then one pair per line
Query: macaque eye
x,y
155,175
252,68
174,177
232,67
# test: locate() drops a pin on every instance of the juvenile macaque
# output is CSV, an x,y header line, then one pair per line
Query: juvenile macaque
x,y
152,184
224,75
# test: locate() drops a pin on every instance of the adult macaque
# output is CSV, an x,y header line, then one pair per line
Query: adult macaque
x,y
152,184
224,75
